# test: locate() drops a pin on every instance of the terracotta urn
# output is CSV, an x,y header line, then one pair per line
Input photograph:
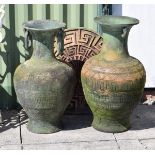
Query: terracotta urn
x,y
43,84
113,81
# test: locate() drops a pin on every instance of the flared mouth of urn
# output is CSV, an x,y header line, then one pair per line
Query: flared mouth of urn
x,y
110,20
43,25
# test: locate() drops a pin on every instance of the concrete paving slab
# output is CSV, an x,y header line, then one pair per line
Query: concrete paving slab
x,y
10,128
128,135
142,124
98,145
78,133
130,145
146,133
149,143
143,117
64,136
76,129
11,147
143,121
136,134
88,134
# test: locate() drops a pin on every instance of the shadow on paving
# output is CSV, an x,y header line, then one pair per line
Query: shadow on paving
x,y
71,122
143,117
12,119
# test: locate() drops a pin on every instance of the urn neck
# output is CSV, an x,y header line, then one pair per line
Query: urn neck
x,y
115,43
43,33
115,35
43,45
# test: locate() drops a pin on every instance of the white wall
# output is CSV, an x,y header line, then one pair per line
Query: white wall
x,y
141,43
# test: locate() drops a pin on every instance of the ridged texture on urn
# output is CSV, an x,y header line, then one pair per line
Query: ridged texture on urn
x,y
112,89
44,90
113,81
44,85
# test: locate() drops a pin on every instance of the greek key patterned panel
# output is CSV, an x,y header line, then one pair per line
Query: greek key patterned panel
x,y
79,45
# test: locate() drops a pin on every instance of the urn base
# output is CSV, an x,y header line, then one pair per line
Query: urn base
x,y
110,125
42,127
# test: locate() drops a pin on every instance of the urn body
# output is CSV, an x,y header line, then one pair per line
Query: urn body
x,y
113,81
44,85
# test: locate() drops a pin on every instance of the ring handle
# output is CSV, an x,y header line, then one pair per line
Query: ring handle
x,y
125,30
27,39
60,41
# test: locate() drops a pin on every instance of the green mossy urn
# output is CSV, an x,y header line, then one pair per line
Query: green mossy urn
x,y
113,81
44,85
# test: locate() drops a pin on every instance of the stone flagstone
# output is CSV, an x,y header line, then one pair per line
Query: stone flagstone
x,y
130,145
70,133
10,128
78,133
98,145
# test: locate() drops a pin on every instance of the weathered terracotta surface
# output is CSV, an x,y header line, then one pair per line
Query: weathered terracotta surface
x,y
113,81
79,45
44,85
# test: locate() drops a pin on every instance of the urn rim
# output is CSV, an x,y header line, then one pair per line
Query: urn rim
x,y
116,21
43,25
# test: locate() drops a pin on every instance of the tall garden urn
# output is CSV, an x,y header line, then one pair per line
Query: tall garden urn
x,y
113,81
44,85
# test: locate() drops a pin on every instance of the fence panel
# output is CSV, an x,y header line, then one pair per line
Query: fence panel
x,y
12,51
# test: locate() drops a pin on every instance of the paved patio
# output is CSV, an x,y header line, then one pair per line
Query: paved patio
x,y
78,133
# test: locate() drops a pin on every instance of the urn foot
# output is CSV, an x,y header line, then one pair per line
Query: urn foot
x,y
42,127
110,125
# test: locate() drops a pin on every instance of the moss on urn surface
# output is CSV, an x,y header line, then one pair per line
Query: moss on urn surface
x,y
113,81
44,85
